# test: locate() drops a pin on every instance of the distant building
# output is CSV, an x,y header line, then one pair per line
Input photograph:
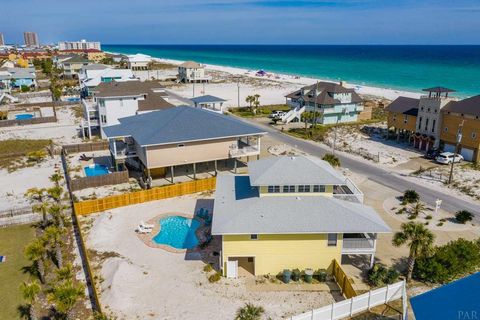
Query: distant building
x,y
138,61
333,102
191,71
92,75
90,54
79,45
209,102
2,40
71,66
17,77
113,100
31,39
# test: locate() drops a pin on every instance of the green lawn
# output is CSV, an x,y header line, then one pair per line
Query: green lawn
x,y
262,111
12,242
12,151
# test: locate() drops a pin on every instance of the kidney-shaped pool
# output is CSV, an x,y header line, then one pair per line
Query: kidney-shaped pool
x,y
178,232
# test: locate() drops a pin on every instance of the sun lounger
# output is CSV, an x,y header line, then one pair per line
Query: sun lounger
x,y
140,229
146,225
3,258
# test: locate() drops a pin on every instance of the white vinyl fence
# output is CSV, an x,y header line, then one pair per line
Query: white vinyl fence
x,y
358,304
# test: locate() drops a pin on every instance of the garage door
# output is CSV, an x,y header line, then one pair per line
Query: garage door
x,y
467,154
449,147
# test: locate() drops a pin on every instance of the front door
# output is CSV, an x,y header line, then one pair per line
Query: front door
x,y
232,269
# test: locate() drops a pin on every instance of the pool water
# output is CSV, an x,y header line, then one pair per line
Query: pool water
x,y
96,170
177,232
23,116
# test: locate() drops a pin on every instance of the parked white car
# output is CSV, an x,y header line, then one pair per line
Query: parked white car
x,y
276,114
448,157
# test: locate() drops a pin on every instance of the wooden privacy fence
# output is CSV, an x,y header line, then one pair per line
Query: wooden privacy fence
x,y
136,197
98,181
16,122
86,147
342,280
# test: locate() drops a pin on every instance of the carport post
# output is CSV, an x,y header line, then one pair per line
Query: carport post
x,y
194,171
215,168
171,171
235,165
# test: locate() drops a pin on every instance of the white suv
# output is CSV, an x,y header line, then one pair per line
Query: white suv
x,y
448,157
276,114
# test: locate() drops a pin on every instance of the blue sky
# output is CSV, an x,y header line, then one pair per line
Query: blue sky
x,y
244,21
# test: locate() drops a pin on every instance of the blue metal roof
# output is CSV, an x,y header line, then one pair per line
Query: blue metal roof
x,y
207,99
456,300
180,124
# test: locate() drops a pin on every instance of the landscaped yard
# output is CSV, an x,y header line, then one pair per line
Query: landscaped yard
x,y
262,111
12,242
13,151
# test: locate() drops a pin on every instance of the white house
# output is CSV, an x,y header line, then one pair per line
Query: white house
x,y
138,61
191,71
92,75
114,100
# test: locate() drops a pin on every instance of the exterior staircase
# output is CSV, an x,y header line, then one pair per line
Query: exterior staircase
x,y
292,114
4,95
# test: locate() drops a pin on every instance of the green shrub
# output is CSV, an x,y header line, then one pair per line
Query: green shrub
x,y
464,216
25,88
36,156
429,217
250,312
215,277
208,268
332,159
296,274
322,275
410,196
448,262
379,275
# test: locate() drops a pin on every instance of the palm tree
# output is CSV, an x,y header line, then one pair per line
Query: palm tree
x,y
56,211
306,117
65,273
55,193
249,312
29,292
56,178
419,240
332,159
250,100
37,252
416,208
64,296
39,195
53,237
256,102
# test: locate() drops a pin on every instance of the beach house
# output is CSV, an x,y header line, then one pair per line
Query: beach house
x,y
191,71
159,141
333,102
461,123
209,102
289,213
92,75
71,66
112,100
13,78
402,117
138,61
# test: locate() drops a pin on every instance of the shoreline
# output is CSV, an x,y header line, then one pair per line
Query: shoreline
x,y
374,92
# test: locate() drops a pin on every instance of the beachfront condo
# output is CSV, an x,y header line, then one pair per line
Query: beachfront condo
x,y
157,142
112,100
79,45
291,213
191,71
333,101
462,117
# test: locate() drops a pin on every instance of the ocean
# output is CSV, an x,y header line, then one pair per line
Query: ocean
x,y
408,68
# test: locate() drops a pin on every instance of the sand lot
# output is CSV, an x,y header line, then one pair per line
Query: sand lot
x,y
151,283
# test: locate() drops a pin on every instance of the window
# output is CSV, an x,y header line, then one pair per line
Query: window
x,y
332,239
405,118
421,108
318,188
428,110
304,188
433,126
419,123
254,237
103,118
273,189
180,145
446,129
288,189
426,124
474,135
394,117
250,259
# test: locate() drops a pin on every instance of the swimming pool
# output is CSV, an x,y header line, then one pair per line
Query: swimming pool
x,y
177,232
96,169
23,116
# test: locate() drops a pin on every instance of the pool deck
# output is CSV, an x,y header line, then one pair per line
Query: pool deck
x,y
147,238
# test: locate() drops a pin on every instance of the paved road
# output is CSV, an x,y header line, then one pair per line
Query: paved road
x,y
377,174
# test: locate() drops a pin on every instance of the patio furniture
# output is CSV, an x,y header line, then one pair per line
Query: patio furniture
x,y
142,230
146,225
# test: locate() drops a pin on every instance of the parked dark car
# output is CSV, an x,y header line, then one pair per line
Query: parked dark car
x,y
432,153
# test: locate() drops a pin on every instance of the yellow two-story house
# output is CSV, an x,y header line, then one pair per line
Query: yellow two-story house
x,y
291,212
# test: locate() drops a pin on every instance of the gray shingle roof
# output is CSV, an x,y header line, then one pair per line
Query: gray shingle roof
x,y
180,124
469,106
325,91
297,170
404,105
207,99
239,210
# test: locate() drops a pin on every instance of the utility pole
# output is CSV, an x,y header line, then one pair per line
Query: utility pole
x,y
344,111
459,139
315,106
193,82
238,92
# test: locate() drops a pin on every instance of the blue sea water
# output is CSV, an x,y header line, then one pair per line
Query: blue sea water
x,y
410,68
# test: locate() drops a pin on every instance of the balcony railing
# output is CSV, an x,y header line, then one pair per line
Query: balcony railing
x,y
244,151
358,243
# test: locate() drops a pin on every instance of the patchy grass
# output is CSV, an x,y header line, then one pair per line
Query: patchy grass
x,y
161,66
14,151
262,111
78,111
12,242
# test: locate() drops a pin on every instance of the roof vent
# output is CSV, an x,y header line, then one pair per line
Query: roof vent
x,y
298,198
292,157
